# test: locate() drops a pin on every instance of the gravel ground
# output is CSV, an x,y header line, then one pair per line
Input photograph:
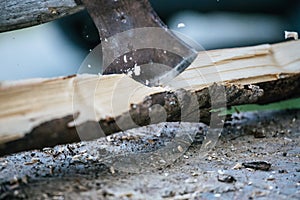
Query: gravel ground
x,y
256,157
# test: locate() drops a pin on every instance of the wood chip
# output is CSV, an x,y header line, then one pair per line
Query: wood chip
x,y
180,149
33,161
237,166
112,170
257,165
291,34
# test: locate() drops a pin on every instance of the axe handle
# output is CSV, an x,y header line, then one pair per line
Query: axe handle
x,y
111,16
117,22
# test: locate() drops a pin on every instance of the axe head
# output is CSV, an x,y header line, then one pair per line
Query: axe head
x,y
136,42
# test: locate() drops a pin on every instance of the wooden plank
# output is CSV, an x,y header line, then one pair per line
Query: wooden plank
x,y
16,14
41,112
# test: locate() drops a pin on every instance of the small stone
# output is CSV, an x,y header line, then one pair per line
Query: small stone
x,y
258,165
284,154
129,195
270,178
226,178
168,193
282,171
258,133
195,174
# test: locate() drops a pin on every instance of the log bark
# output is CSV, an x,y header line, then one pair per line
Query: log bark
x,y
16,14
44,112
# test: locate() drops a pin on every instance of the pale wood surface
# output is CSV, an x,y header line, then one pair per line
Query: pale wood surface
x,y
246,65
26,104
16,14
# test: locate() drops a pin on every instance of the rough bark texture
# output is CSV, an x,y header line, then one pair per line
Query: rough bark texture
x,y
44,112
57,131
16,14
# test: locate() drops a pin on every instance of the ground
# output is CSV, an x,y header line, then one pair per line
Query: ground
x,y
256,157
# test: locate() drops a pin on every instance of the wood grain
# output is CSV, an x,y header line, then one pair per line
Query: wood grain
x,y
16,14
40,112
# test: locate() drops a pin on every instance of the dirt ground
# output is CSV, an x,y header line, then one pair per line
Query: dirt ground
x,y
256,157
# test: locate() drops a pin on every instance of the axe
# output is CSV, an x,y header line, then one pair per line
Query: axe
x,y
131,35
135,41
133,38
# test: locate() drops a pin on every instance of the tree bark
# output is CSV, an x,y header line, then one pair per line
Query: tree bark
x,y
44,112
16,14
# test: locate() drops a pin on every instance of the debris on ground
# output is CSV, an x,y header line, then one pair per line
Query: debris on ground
x,y
240,166
258,165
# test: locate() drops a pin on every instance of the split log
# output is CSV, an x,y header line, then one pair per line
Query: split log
x,y
16,14
44,112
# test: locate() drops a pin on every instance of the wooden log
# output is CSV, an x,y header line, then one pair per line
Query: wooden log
x,y
44,112
16,14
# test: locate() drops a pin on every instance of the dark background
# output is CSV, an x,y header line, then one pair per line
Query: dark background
x,y
58,48
280,15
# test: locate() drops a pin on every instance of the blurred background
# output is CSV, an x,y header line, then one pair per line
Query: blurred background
x,y
58,48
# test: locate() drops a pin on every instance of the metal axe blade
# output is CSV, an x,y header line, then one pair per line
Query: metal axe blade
x,y
135,41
